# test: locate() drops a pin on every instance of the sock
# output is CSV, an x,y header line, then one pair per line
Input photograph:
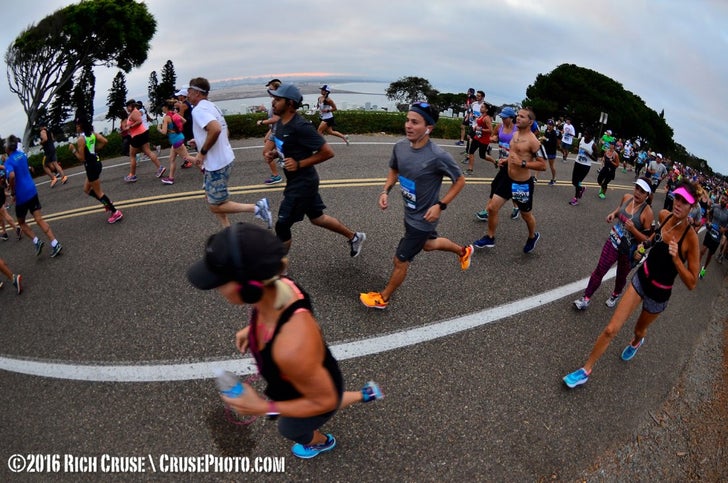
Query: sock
x,y
35,240
107,202
93,194
54,242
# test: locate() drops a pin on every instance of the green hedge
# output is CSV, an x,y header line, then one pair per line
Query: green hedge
x,y
243,126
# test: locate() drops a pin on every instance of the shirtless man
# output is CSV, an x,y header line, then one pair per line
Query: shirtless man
x,y
526,154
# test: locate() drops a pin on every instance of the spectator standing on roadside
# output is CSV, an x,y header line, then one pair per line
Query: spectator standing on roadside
x,y
268,143
419,165
674,253
305,386
216,155
25,194
298,149
326,107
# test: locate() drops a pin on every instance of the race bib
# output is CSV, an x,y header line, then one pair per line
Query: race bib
x,y
520,192
408,192
616,234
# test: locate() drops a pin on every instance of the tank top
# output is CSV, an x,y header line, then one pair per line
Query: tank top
x,y
504,141
279,388
49,146
658,273
139,128
619,230
325,114
90,149
585,149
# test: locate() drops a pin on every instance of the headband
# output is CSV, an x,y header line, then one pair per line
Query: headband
x,y
428,118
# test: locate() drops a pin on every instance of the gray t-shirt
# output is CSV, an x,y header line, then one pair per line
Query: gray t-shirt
x,y
420,178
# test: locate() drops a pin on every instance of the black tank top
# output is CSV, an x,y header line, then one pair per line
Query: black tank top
x,y
279,388
658,273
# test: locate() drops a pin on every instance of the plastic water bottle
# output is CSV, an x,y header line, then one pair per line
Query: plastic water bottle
x,y
229,384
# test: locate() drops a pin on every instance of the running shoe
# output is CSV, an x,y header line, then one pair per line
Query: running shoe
x,y
702,273
56,250
482,215
167,180
602,196
18,232
465,259
38,247
552,182
54,181
307,451
465,161
576,378
629,352
58,175
17,283
720,258
187,164
373,300
4,237
116,216
515,214
371,392
484,242
582,303
160,171
346,140
581,191
262,212
356,243
531,243
130,178
612,301
64,180
574,201
468,172
158,151
459,143
273,179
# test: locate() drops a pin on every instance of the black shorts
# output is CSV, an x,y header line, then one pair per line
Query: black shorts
x,y
520,191
50,158
294,208
329,122
140,140
412,242
32,205
93,170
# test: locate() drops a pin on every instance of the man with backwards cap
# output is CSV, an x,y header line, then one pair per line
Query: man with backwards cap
x,y
675,252
419,165
631,222
298,148
305,386
217,156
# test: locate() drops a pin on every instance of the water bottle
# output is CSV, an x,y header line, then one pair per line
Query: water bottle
x,y
229,384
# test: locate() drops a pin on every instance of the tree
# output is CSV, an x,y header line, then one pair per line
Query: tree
x,y
45,57
116,100
84,91
411,89
166,87
155,103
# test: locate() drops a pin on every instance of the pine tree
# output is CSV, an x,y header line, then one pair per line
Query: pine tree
x,y
116,100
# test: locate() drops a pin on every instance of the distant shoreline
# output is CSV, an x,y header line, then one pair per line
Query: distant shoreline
x,y
248,92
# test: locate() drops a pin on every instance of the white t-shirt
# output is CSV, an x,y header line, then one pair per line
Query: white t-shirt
x,y
221,153
569,134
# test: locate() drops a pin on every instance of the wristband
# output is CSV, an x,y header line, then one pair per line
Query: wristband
x,y
272,413
443,206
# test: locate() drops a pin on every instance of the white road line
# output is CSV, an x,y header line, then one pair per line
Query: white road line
x,y
350,350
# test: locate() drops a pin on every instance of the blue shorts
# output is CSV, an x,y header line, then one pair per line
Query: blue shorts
x,y
216,185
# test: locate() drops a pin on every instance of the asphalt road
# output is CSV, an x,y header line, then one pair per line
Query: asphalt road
x,y
471,372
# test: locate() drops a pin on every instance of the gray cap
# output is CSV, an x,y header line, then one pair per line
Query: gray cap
x,y
287,91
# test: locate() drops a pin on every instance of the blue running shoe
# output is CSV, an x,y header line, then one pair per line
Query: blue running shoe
x,y
629,352
309,451
38,247
56,250
576,378
486,241
262,212
531,243
371,392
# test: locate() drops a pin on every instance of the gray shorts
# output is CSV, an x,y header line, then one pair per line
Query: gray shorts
x,y
216,185
648,305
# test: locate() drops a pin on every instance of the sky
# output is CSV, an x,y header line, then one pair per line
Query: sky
x,y
670,53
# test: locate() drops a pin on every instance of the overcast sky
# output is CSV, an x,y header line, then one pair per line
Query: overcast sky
x,y
670,53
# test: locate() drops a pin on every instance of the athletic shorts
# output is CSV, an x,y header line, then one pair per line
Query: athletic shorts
x,y
216,185
711,243
30,206
50,158
140,140
565,146
294,208
520,191
648,305
93,170
329,121
412,243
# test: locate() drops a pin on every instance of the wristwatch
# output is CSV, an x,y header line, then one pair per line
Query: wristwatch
x,y
443,206
203,151
523,163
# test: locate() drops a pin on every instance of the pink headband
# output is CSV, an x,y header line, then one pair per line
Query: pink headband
x,y
684,193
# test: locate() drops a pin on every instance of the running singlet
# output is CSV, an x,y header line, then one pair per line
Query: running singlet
x,y
585,149
504,142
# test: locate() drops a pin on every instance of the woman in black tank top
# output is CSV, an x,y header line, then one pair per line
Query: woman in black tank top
x,y
305,385
674,244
